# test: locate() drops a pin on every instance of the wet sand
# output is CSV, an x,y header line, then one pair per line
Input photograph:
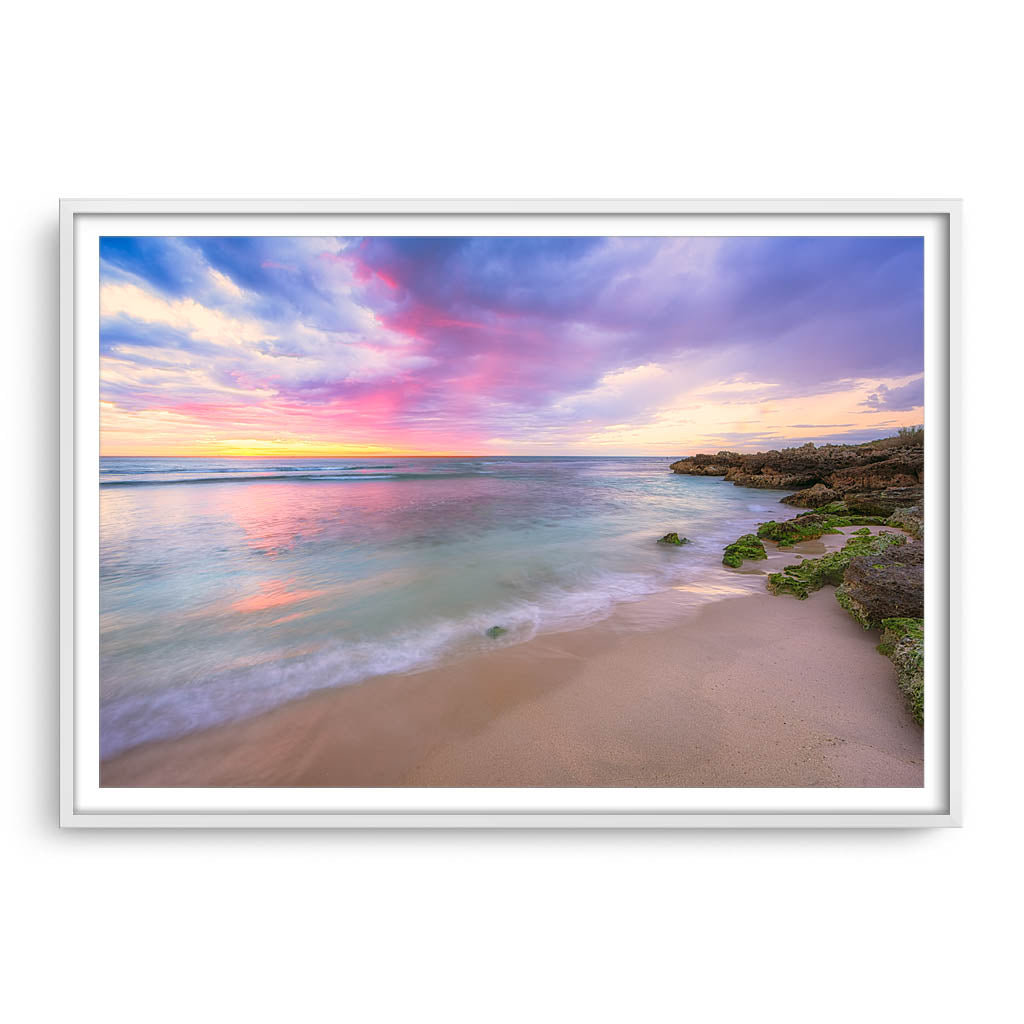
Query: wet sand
x,y
744,690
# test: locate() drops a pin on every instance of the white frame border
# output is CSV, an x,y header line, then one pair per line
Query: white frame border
x,y
71,817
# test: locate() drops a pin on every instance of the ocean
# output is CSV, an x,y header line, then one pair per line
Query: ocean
x,y
229,586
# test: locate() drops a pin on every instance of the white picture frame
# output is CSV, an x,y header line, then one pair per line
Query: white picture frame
x,y
84,804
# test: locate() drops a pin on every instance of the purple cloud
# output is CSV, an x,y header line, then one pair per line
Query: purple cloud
x,y
513,337
904,398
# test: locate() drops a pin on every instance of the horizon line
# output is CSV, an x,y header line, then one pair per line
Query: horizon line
x,y
400,455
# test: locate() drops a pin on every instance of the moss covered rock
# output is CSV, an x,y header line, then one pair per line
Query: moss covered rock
x,y
909,519
810,526
903,644
885,585
802,579
833,508
673,538
747,547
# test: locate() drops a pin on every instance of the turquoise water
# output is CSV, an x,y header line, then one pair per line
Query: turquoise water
x,y
230,586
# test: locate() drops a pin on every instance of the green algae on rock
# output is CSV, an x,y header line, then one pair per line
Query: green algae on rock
x,y
804,578
811,526
747,547
833,508
495,631
886,585
903,644
910,519
674,538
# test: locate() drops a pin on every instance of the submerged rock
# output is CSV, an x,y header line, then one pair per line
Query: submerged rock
x,y
883,586
673,538
903,644
747,547
495,631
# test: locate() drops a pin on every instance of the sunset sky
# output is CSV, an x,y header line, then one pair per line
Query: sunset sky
x,y
506,345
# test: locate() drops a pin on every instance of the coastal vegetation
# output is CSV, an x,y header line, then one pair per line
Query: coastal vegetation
x,y
879,578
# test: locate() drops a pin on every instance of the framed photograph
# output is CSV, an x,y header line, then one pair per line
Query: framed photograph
x,y
509,513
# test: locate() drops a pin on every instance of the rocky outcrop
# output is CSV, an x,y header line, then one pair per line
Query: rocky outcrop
x,y
903,644
885,586
748,547
909,519
804,578
673,538
903,468
879,488
810,526
880,581
885,501
812,497
879,578
708,465
873,479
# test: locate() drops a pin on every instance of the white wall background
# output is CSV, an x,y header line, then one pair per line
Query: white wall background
x,y
528,100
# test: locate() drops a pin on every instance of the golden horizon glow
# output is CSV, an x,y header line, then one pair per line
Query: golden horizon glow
x,y
710,417
288,453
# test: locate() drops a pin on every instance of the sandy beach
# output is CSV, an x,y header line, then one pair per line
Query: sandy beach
x,y
745,689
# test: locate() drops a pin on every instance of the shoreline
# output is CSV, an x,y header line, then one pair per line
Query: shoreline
x,y
658,694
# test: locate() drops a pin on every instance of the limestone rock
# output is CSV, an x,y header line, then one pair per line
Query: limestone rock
x,y
812,497
909,519
873,479
885,586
